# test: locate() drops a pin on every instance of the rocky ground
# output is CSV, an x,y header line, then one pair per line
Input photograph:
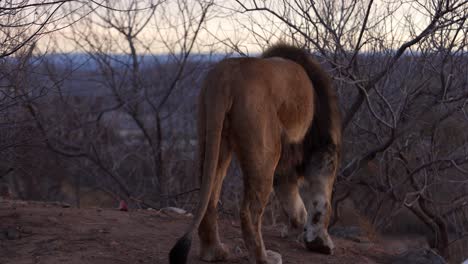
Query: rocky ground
x,y
33,232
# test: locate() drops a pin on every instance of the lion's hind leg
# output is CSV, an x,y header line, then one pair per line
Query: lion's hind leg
x,y
258,184
256,194
211,248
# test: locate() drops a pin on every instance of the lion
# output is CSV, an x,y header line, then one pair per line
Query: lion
x,y
277,113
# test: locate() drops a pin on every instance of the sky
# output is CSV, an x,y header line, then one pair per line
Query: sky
x,y
222,29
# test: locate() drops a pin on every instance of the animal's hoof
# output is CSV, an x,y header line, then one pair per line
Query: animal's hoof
x,y
273,257
321,244
214,253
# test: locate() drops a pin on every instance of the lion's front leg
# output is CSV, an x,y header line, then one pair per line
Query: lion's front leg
x,y
316,235
317,196
317,193
287,191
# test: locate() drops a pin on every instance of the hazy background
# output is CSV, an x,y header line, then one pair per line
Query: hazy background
x,y
98,103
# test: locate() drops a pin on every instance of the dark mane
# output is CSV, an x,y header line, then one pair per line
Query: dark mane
x,y
324,134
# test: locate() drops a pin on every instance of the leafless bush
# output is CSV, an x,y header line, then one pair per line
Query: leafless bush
x,y
107,113
400,69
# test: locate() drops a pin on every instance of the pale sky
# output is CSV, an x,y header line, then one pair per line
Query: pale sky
x,y
165,30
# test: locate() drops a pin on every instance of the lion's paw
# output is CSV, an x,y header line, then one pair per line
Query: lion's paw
x,y
273,257
321,244
215,253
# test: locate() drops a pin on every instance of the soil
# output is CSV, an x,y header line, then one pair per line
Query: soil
x,y
35,232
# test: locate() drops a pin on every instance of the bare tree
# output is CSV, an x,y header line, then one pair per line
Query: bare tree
x,y
400,69
115,127
23,22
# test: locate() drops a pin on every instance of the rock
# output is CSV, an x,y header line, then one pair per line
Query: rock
x,y
419,256
174,211
11,233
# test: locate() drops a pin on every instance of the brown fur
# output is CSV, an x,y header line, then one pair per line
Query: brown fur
x,y
255,107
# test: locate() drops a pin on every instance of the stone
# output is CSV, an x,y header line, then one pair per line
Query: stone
x,y
419,256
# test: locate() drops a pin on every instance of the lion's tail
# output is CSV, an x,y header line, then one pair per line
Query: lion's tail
x,y
209,136
327,114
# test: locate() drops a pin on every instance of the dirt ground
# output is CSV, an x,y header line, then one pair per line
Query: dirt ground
x,y
33,232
